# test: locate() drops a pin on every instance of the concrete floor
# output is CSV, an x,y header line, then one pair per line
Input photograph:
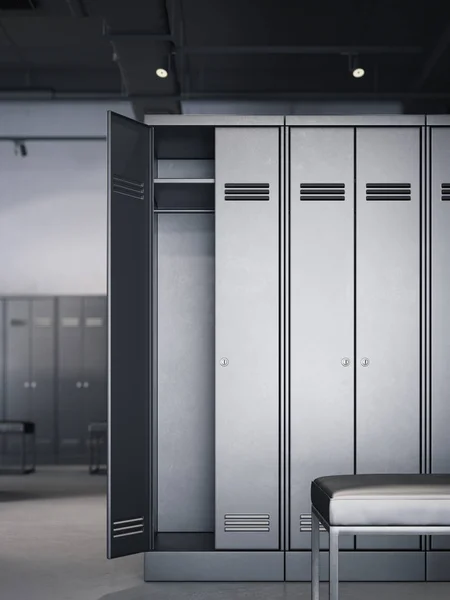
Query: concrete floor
x,y
52,547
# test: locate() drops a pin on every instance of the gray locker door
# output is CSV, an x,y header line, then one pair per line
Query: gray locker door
x,y
322,317
130,272
94,359
17,365
42,394
388,244
247,338
71,430
440,302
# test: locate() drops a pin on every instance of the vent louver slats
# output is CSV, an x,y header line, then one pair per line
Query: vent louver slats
x,y
393,192
247,191
321,192
128,527
128,187
251,522
445,191
306,523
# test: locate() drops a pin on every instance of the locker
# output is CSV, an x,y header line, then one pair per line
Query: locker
x,y
30,369
322,312
42,375
82,360
71,421
247,338
388,258
267,325
94,357
17,360
440,301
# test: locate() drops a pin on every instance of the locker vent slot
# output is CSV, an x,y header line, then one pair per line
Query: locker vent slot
x,y
128,187
43,322
247,191
322,192
306,523
18,322
94,322
445,191
393,192
128,527
70,322
246,522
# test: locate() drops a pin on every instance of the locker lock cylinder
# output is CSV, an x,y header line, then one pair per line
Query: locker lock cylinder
x,y
345,362
224,362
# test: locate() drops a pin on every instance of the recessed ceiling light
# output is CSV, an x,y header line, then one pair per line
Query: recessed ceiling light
x,y
358,72
162,73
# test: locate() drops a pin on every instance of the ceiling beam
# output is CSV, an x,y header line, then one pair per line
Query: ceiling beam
x,y
302,50
432,59
46,94
130,36
77,8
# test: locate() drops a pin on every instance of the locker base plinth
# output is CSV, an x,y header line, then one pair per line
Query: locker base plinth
x,y
438,566
361,566
214,566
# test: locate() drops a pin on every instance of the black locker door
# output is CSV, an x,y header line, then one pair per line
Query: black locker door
x,y
130,226
42,385
71,430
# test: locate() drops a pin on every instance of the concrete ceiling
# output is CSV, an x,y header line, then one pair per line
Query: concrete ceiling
x,y
221,49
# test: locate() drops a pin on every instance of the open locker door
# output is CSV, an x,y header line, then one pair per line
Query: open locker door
x,y
130,214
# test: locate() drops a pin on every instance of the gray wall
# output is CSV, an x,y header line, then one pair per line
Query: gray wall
x,y
53,201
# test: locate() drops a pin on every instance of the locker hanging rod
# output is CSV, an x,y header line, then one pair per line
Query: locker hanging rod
x,y
183,211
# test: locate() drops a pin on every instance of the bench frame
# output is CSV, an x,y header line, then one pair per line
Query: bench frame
x,y
333,554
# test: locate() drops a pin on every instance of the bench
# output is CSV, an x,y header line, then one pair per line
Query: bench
x,y
98,439
374,504
25,432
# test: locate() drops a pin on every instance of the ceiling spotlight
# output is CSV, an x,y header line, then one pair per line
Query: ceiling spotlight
x,y
354,67
20,148
165,66
358,72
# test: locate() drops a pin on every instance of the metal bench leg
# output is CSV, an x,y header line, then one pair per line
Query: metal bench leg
x,y
334,564
315,557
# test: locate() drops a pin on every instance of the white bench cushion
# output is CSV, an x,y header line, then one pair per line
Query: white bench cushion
x,y
371,500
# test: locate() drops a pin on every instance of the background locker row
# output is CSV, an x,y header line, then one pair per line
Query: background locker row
x,y
54,372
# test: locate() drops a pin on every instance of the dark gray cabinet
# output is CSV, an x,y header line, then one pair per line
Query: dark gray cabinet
x,y
43,377
29,354
81,350
53,362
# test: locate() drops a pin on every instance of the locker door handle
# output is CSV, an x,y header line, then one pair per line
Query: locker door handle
x,y
26,384
79,384
365,362
33,384
86,384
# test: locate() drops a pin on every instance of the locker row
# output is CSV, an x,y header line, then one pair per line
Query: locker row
x,y
278,300
53,372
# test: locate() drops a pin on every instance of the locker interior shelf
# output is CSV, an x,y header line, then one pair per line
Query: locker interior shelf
x,y
184,194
